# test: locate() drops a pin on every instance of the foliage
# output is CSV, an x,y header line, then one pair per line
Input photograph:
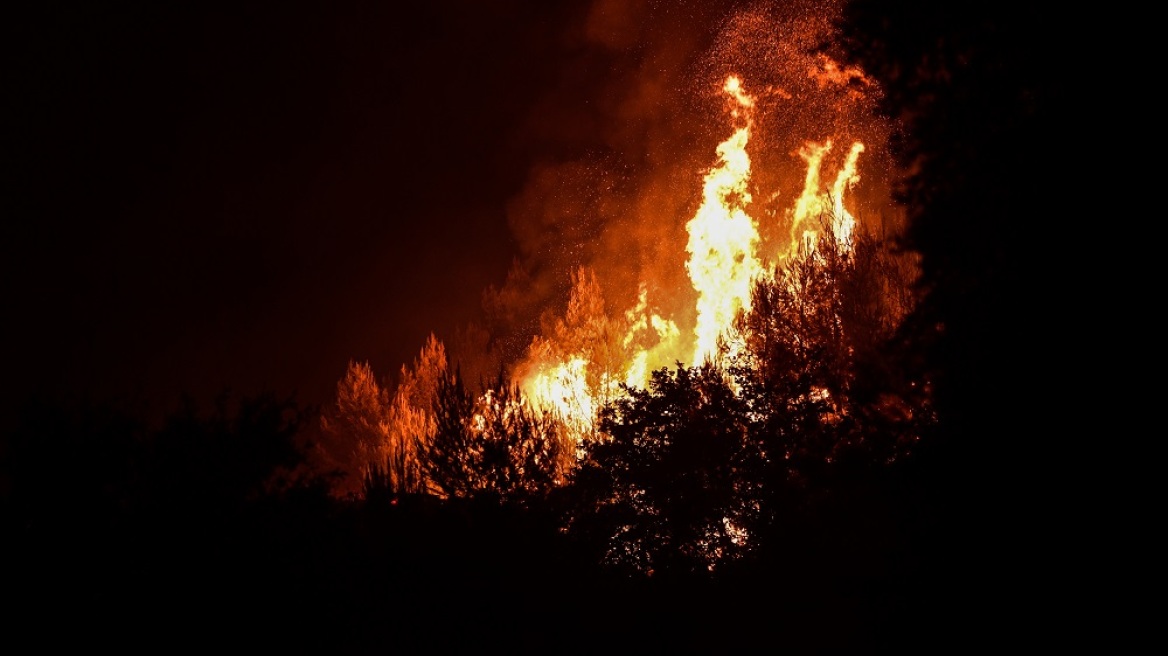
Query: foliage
x,y
587,330
355,430
668,486
71,464
493,445
586,333
983,92
411,419
688,472
62,460
371,434
818,363
226,457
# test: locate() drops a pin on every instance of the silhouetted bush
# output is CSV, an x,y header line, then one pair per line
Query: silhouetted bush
x,y
495,444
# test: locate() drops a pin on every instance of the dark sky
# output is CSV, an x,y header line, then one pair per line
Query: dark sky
x,y
244,196
248,195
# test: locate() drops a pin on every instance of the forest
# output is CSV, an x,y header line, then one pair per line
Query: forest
x,y
866,468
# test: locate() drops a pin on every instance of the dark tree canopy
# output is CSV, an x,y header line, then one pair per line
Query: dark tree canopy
x,y
991,117
819,362
494,445
998,105
672,484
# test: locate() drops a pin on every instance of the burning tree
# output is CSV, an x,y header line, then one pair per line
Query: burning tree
x,y
779,298
577,363
817,357
434,436
412,423
688,471
354,431
373,435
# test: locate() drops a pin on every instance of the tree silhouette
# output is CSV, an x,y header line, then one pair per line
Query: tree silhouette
x,y
984,94
818,361
668,488
687,475
495,445
227,458
71,461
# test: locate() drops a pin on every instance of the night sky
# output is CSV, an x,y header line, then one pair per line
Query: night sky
x,y
246,195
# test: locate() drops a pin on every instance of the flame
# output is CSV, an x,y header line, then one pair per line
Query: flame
x,y
645,326
574,387
563,388
563,372
722,236
813,203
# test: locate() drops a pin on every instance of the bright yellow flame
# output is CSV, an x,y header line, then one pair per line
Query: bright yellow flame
x,y
812,203
734,88
722,236
563,387
644,327
844,222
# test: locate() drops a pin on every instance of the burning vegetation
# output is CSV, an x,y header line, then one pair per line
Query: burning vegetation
x,y
753,356
823,417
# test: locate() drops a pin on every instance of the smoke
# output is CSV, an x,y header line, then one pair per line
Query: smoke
x,y
785,52
629,127
621,137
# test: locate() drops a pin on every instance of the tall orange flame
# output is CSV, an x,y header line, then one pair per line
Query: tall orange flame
x,y
813,203
722,236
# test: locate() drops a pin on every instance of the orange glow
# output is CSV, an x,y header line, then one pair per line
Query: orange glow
x,y
813,202
563,387
645,327
826,72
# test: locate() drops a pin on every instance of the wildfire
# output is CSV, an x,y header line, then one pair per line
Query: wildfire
x,y
639,299
565,372
644,326
563,387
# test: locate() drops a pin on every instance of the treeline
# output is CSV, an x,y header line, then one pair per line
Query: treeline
x,y
779,470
